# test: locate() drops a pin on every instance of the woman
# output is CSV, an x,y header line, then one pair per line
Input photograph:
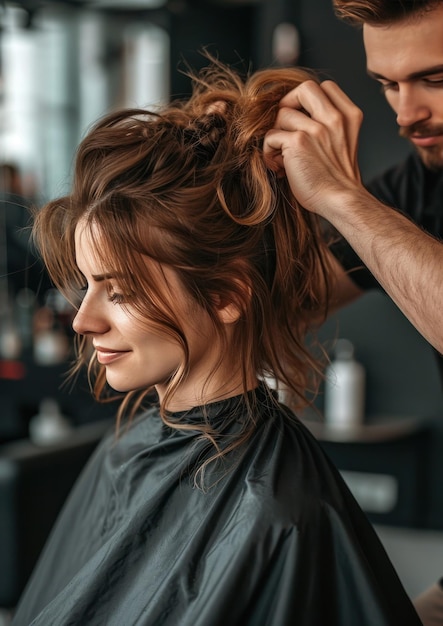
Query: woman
x,y
201,276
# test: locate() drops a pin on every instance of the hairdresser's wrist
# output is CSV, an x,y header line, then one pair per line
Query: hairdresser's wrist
x,y
350,209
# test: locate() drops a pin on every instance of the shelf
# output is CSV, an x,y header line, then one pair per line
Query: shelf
x,y
381,429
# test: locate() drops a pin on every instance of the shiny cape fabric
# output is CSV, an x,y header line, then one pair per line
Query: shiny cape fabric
x,y
277,540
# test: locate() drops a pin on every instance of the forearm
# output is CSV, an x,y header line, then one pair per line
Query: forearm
x,y
406,261
314,143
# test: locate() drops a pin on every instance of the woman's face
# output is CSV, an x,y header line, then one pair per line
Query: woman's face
x,y
133,351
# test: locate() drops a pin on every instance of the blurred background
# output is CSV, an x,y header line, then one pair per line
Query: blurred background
x,y
65,63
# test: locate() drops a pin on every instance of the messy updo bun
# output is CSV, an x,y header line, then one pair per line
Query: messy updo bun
x,y
188,187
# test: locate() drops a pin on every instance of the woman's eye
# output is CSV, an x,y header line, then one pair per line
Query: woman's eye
x,y
116,298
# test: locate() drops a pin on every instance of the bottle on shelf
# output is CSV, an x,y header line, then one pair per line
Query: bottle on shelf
x,y
49,425
345,388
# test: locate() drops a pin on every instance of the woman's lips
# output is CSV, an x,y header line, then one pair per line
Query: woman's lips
x,y
106,356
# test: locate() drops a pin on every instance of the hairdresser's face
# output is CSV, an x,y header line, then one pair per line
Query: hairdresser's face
x,y
135,354
407,60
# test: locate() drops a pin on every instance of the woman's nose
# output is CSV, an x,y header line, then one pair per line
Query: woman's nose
x,y
90,318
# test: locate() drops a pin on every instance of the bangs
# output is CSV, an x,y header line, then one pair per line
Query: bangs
x,y
54,236
126,248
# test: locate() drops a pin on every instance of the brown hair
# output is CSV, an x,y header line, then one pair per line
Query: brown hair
x,y
382,12
187,186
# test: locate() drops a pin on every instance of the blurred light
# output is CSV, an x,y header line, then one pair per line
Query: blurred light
x,y
286,44
127,4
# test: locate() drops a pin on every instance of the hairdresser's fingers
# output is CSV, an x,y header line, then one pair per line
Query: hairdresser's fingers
x,y
319,99
326,113
328,105
314,144
283,137
309,108
296,137
314,170
350,112
352,116
315,158
283,147
311,98
297,155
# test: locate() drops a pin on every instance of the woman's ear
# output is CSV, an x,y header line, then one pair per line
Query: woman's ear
x,y
229,313
234,299
230,308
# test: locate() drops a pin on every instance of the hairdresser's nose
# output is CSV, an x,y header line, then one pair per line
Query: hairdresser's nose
x,y
90,318
410,105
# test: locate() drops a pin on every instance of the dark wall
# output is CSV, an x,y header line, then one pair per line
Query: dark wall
x,y
226,30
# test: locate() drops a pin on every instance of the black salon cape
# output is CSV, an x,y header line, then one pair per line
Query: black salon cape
x,y
277,541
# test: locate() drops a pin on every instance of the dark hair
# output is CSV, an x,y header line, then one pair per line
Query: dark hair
x,y
187,186
382,12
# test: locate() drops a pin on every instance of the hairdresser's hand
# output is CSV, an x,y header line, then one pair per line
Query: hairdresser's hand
x,y
314,143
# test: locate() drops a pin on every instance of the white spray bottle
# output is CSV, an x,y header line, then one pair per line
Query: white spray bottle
x,y
344,388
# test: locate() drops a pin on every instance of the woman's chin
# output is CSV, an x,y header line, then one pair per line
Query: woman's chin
x,y
119,386
126,386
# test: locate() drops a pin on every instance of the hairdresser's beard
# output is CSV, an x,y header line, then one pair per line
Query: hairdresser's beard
x,y
432,155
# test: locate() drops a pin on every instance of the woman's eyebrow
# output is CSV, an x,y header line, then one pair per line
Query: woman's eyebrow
x,y
101,277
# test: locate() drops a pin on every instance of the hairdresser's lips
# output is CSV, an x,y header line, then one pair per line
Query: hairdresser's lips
x,y
106,356
424,141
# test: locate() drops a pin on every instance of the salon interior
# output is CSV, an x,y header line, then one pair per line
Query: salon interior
x,y
63,63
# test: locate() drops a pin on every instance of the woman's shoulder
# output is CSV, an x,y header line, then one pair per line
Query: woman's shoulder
x,y
286,467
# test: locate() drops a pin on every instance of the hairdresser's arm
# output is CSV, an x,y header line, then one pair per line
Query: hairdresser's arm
x,y
318,154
